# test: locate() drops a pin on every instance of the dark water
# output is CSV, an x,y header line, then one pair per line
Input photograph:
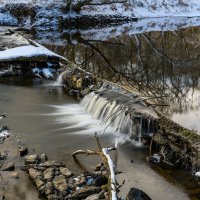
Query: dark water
x,y
47,122
163,66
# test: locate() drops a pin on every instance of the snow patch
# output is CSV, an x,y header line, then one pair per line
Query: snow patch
x,y
4,133
45,72
7,19
25,51
197,174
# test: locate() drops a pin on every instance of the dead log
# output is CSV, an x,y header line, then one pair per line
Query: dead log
x,y
104,153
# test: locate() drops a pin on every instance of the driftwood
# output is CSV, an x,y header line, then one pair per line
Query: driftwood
x,y
104,154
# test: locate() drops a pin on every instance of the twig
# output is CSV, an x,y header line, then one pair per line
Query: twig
x,y
87,152
104,153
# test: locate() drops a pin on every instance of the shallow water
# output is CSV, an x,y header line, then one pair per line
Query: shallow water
x,y
53,123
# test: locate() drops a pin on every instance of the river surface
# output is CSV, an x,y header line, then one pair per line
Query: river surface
x,y
54,123
161,65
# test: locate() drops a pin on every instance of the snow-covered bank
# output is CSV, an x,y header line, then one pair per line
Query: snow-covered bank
x,y
149,8
104,33
160,8
41,13
23,52
141,26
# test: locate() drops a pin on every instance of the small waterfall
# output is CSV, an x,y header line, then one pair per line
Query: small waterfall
x,y
140,131
125,114
109,112
59,81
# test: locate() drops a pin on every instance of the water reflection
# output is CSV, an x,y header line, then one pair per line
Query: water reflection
x,y
163,66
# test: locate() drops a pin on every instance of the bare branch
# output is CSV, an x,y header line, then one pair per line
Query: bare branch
x,y
87,152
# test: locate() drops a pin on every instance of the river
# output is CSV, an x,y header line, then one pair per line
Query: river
x,y
163,65
46,121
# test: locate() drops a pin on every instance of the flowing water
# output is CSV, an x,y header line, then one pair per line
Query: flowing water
x,y
161,65
56,124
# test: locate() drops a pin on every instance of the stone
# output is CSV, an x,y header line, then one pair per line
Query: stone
x,y
52,164
98,167
93,197
32,159
96,196
49,173
79,83
100,180
53,197
34,174
60,183
85,192
137,194
81,181
23,150
8,167
2,197
14,175
49,188
39,182
3,156
65,172
43,158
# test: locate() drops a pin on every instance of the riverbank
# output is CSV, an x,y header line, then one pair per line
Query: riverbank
x,y
50,127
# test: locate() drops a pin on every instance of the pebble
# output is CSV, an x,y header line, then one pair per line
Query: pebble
x,y
8,167
23,150
32,159
15,175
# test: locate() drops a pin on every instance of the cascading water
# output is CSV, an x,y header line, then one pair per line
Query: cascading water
x,y
109,112
59,81
124,117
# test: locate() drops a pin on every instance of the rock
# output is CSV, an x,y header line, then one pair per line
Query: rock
x,y
89,180
33,173
80,181
23,150
2,157
85,192
96,196
159,160
93,197
8,167
79,83
39,182
137,194
49,173
53,197
49,189
52,164
32,159
2,197
15,175
98,167
60,183
65,172
43,158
